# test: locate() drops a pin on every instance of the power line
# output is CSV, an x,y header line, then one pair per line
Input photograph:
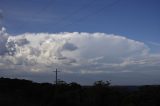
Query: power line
x,y
38,13
50,2
92,14
84,7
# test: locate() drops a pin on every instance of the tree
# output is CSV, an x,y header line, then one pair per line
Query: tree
x,y
101,83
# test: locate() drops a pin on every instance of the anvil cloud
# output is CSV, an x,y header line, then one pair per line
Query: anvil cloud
x,y
84,53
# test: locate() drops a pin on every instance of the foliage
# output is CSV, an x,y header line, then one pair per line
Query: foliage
x,y
27,93
102,83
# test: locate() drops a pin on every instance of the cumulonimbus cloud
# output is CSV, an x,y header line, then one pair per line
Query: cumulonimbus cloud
x,y
74,52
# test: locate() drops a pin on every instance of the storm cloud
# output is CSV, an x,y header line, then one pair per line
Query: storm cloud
x,y
76,53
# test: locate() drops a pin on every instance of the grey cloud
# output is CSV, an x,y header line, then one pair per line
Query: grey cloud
x,y
12,44
76,53
85,50
22,41
69,46
3,40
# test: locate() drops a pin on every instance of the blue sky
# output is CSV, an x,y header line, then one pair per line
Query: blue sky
x,y
137,20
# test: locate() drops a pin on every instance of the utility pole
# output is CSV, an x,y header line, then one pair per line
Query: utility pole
x,y
56,75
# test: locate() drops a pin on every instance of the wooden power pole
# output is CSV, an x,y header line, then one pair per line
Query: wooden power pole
x,y
56,75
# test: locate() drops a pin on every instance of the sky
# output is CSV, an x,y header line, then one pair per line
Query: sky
x,y
87,40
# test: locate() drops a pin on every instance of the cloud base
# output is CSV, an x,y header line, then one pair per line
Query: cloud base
x,y
75,53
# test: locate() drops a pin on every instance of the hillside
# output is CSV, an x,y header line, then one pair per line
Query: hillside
x,y
27,93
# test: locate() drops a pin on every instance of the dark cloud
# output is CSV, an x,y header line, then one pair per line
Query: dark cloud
x,y
69,46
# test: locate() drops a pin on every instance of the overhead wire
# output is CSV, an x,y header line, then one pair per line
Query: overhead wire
x,y
49,4
91,14
63,19
36,14
82,8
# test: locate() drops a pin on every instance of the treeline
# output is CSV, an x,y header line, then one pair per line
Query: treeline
x,y
15,92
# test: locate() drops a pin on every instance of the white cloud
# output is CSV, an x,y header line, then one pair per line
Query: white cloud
x,y
154,43
75,53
